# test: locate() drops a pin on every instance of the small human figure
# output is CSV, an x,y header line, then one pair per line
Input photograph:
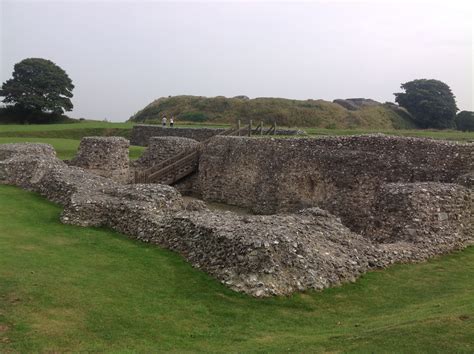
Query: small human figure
x,y
163,121
172,122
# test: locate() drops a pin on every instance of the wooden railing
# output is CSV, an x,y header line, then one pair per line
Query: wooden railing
x,y
178,166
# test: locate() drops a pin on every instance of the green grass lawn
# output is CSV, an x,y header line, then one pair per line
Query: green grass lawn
x,y
56,127
65,148
455,135
78,130
66,288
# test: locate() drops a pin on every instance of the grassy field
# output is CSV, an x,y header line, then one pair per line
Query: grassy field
x,y
65,148
79,130
454,135
65,288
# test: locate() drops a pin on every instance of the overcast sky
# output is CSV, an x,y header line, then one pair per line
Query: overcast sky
x,y
123,55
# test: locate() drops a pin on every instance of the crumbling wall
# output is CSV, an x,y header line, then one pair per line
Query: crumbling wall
x,y
419,212
104,156
141,133
162,148
260,255
339,174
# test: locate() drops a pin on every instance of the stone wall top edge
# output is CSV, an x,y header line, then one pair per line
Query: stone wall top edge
x,y
353,138
177,128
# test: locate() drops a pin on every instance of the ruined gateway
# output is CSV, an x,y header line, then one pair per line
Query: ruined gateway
x,y
324,211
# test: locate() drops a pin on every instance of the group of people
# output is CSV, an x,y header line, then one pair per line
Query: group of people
x,y
164,121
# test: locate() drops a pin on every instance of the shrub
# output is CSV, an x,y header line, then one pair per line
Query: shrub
x,y
193,117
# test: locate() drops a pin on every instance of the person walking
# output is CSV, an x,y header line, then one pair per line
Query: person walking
x,y
171,121
163,121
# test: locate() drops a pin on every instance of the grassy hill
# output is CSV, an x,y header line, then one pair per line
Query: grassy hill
x,y
286,112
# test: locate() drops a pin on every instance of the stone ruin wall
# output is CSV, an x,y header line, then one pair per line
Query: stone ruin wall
x,y
355,178
409,200
141,133
104,156
161,148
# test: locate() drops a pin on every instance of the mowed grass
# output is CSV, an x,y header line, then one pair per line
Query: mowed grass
x,y
67,126
454,135
65,148
78,130
66,288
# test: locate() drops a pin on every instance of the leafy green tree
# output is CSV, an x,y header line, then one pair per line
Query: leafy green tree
x,y
431,103
465,121
38,85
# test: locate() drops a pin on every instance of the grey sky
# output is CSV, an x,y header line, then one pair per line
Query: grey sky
x,y
123,55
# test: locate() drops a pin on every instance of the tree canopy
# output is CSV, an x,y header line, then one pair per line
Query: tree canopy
x,y
38,85
465,121
431,103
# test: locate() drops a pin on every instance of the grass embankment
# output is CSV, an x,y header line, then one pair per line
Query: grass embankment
x,y
66,288
286,112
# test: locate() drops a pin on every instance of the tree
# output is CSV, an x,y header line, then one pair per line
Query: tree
x,y
465,121
38,85
430,102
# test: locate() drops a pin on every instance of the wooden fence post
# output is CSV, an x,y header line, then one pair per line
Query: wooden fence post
x,y
238,127
250,127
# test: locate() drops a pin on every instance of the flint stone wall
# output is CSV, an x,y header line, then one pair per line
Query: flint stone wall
x,y
412,212
256,254
141,133
343,175
104,156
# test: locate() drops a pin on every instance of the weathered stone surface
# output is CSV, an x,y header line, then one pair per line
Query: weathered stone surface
x,y
141,133
422,213
339,174
161,148
104,156
265,255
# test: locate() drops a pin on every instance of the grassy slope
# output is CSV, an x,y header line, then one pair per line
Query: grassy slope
x,y
65,288
309,113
